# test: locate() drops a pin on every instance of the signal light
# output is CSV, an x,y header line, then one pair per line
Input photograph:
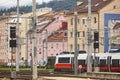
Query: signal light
x,y
96,45
12,32
12,43
96,36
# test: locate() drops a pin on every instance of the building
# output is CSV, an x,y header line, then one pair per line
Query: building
x,y
3,40
46,28
102,12
26,25
5,54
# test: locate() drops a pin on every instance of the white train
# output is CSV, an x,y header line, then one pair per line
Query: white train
x,y
104,61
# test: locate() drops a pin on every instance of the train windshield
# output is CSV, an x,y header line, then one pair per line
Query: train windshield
x,y
64,60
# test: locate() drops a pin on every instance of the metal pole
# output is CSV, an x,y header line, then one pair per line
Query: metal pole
x,y
8,40
95,59
26,61
75,42
17,37
34,49
63,44
63,40
43,52
89,65
46,46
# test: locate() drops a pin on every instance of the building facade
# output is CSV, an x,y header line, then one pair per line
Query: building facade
x,y
100,10
48,25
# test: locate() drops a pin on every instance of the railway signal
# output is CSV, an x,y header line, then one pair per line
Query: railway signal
x,y
96,36
12,32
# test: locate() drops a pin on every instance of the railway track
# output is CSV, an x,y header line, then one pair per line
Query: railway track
x,y
27,75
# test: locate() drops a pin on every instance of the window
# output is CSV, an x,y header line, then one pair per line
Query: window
x,y
51,45
64,60
83,33
81,62
72,21
71,47
71,34
95,20
114,7
83,46
115,63
103,63
83,21
78,34
78,21
39,50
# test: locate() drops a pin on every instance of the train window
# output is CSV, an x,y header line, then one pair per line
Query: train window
x,y
64,60
81,62
103,63
81,52
115,62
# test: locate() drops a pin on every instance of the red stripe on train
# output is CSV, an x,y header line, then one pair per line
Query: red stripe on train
x,y
58,66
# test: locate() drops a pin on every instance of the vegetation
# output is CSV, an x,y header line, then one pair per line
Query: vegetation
x,y
56,5
9,68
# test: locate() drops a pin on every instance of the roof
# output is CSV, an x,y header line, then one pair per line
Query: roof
x,y
58,36
96,5
46,16
44,20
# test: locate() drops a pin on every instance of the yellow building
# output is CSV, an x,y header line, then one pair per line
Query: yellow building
x,y
99,10
3,40
5,52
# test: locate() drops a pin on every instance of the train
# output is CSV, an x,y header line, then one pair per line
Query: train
x,y
102,61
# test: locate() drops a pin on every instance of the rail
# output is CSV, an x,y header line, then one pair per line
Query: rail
x,y
27,75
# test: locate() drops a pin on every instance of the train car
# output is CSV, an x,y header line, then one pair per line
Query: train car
x,y
104,61
115,62
109,61
64,62
82,62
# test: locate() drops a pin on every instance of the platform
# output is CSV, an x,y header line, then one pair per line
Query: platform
x,y
63,78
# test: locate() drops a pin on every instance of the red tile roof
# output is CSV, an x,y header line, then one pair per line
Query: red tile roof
x,y
59,36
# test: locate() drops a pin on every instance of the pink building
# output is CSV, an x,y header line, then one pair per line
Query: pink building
x,y
50,39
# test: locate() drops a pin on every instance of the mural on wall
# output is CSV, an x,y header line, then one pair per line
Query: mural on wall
x,y
111,31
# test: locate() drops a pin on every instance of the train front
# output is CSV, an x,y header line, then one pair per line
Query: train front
x,y
64,62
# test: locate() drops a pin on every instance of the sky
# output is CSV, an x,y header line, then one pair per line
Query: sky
x,y
10,3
